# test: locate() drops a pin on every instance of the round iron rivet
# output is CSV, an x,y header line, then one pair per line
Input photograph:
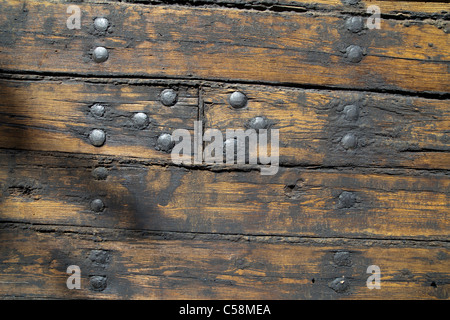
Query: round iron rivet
x,y
238,100
98,110
101,24
340,285
169,97
98,283
97,205
355,24
349,141
351,112
140,120
100,173
258,123
342,259
97,137
354,53
100,54
346,200
164,142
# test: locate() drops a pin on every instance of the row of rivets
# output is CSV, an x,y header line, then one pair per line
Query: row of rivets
x,y
100,54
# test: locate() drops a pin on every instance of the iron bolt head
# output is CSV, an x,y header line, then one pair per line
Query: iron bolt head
x,y
349,141
346,200
169,97
351,112
165,142
238,100
354,53
355,24
101,24
97,205
140,120
339,285
100,173
258,123
98,283
100,54
98,110
97,137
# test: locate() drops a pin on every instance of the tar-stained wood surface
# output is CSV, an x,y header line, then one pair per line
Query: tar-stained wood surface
x,y
295,202
225,44
218,231
157,267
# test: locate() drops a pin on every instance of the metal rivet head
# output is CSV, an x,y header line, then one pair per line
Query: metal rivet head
x,y
340,285
140,120
101,24
349,141
351,112
238,100
355,24
98,283
258,123
169,97
342,259
346,200
100,173
165,142
97,137
100,54
97,205
98,110
354,53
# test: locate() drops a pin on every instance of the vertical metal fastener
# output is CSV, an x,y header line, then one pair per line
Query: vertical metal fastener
x,y
165,142
351,112
140,120
100,54
355,24
340,285
97,205
258,123
98,110
238,100
98,283
169,97
354,53
101,24
349,141
346,199
97,137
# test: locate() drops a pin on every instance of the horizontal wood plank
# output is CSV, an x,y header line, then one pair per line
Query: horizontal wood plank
x,y
295,202
394,8
57,116
224,44
390,130
34,261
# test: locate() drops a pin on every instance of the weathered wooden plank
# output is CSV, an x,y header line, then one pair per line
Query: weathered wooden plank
x,y
37,188
390,130
224,44
420,9
34,261
57,116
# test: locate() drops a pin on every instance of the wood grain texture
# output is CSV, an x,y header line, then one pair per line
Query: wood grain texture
x,y
391,130
224,44
34,260
56,116
295,202
400,9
